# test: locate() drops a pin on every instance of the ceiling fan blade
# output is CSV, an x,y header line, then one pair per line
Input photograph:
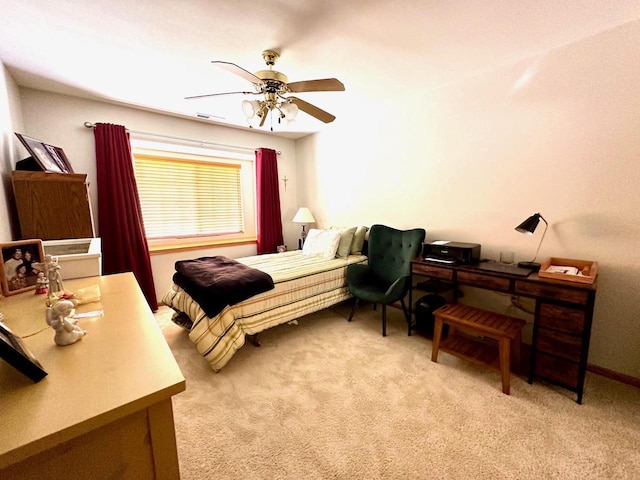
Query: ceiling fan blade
x,y
323,85
217,94
233,68
312,110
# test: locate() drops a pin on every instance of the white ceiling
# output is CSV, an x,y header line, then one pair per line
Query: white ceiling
x,y
153,53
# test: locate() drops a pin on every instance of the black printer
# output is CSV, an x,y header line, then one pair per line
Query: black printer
x,y
451,253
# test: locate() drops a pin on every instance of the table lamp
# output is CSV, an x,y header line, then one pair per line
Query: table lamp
x,y
305,218
528,227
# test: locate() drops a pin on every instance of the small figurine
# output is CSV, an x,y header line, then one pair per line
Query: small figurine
x,y
42,284
60,318
51,269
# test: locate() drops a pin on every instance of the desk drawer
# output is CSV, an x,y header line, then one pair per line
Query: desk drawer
x,y
566,319
551,291
484,281
432,271
560,344
562,371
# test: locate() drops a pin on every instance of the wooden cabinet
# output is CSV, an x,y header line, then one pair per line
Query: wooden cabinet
x,y
53,206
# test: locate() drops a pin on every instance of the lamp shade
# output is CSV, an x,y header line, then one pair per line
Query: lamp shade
x,y
303,216
250,108
290,110
530,224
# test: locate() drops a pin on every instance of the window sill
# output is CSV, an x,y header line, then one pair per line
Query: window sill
x,y
169,246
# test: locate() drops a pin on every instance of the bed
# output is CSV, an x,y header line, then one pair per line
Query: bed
x,y
304,281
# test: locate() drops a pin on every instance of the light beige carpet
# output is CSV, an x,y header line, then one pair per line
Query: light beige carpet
x,y
329,399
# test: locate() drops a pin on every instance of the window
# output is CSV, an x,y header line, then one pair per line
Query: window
x,y
194,197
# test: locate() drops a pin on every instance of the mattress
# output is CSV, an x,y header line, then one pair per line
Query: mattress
x,y
303,284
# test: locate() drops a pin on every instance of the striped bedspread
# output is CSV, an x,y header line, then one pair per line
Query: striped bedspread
x,y
303,284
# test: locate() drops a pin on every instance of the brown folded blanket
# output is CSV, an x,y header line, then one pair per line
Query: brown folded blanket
x,y
215,282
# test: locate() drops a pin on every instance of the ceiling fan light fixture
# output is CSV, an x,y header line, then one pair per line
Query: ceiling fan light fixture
x,y
250,108
290,110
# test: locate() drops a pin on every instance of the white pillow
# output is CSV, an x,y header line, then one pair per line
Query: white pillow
x,y
321,242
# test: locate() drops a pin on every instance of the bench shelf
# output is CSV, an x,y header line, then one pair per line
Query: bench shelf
x,y
477,351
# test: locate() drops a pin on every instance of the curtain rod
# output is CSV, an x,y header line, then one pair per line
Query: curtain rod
x,y
200,142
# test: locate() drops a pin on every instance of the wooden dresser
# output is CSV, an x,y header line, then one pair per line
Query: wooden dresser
x,y
104,410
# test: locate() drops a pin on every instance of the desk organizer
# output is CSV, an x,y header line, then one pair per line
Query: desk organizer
x,y
588,277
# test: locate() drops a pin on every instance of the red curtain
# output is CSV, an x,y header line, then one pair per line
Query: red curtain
x,y
267,189
124,243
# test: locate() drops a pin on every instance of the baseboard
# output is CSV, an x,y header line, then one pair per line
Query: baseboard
x,y
620,377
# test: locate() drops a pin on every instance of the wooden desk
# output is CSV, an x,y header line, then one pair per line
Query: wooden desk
x,y
104,409
562,319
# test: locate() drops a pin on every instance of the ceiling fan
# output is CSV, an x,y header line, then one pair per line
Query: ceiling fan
x,y
274,87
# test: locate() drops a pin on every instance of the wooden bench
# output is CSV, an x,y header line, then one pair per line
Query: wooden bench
x,y
502,328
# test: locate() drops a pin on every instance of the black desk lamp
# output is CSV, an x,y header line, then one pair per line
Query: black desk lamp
x,y
529,226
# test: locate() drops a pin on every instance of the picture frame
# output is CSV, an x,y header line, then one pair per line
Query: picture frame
x,y
16,354
47,156
15,255
64,158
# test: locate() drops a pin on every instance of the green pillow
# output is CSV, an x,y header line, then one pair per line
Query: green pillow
x,y
346,240
358,240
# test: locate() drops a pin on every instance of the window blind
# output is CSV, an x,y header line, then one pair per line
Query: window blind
x,y
189,198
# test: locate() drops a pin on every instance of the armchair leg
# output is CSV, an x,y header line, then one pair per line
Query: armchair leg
x,y
353,309
384,320
407,317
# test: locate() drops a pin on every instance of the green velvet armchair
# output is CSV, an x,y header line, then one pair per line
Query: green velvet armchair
x,y
385,279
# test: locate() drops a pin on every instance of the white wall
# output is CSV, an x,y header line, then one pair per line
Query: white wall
x,y
471,160
10,121
59,120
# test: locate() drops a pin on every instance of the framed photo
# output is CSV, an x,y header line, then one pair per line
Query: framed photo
x,y
20,261
13,351
47,156
64,158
